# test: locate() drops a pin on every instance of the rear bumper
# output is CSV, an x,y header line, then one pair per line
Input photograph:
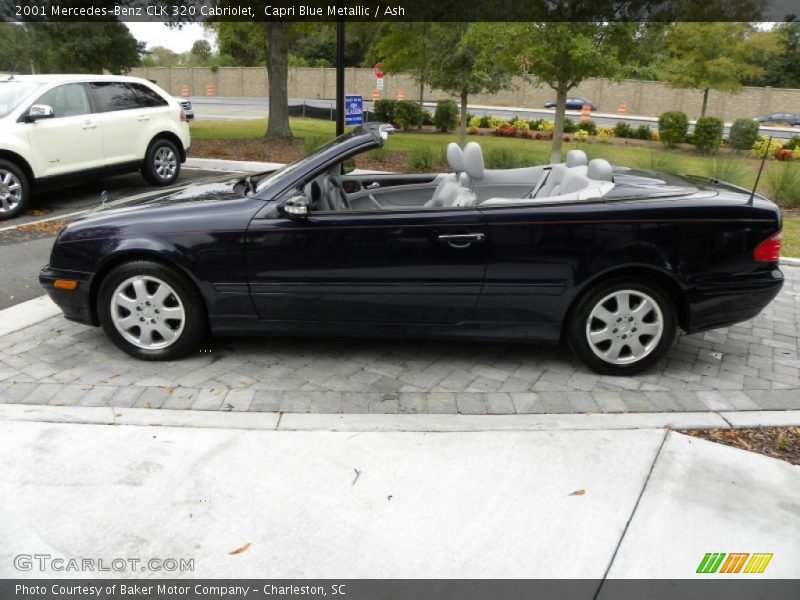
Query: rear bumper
x,y
75,304
732,300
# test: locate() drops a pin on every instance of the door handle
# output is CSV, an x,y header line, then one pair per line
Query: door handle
x,y
144,118
461,240
89,125
372,186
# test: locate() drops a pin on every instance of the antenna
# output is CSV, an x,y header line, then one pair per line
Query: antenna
x,y
761,168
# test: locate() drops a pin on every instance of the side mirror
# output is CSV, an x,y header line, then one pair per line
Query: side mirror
x,y
39,111
348,166
295,207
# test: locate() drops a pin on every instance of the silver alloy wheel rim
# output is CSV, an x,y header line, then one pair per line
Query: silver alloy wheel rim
x,y
165,163
10,191
624,327
147,312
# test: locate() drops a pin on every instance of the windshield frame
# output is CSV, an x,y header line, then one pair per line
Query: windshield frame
x,y
28,88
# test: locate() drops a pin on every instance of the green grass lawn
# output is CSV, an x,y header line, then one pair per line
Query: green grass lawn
x,y
740,170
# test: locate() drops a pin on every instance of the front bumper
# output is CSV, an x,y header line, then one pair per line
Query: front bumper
x,y
732,300
76,304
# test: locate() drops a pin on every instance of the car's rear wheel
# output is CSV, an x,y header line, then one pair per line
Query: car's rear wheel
x,y
151,311
622,327
14,190
162,165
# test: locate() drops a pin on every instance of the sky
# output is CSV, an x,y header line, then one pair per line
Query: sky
x,y
177,40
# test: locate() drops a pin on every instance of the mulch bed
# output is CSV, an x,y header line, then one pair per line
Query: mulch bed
x,y
777,442
283,151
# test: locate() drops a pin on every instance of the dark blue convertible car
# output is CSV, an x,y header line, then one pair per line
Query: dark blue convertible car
x,y
610,261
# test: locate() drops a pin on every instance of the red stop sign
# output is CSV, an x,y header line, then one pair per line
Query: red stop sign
x,y
379,71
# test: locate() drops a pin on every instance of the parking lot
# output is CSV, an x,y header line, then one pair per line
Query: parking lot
x,y
751,366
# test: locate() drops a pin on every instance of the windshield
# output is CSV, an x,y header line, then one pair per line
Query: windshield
x,y
263,183
12,93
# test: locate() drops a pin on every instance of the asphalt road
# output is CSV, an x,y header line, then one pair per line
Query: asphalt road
x,y
25,242
239,108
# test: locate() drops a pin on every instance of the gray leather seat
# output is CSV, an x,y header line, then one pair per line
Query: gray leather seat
x,y
473,167
445,192
576,159
598,170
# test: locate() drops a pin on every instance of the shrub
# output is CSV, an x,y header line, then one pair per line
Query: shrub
x,y
528,135
672,127
760,147
783,182
731,170
501,158
474,122
622,130
708,134
546,126
569,126
605,133
473,131
486,121
658,160
744,133
642,132
520,124
784,154
495,122
654,136
589,126
534,124
506,130
793,143
313,142
384,110
581,136
422,158
407,113
427,117
446,116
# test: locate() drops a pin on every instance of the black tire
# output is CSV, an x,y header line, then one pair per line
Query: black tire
x,y
162,164
15,190
185,296
654,347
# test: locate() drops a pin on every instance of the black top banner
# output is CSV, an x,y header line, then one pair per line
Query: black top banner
x,y
185,11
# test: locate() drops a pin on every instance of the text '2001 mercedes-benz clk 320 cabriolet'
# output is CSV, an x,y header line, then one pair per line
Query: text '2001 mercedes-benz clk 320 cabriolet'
x,y
611,261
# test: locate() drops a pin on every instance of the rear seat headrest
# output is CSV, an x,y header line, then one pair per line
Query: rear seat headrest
x,y
576,158
473,160
455,157
600,170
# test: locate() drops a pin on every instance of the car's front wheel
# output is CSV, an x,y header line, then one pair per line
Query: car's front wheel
x,y
151,311
162,165
622,327
14,190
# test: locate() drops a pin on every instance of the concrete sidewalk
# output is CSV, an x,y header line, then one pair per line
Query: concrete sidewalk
x,y
557,504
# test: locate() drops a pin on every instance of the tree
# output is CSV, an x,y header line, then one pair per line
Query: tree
x,y
14,50
715,56
159,56
408,48
456,65
201,52
781,69
561,55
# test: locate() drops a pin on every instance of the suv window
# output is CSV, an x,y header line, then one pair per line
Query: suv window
x,y
113,95
68,100
146,96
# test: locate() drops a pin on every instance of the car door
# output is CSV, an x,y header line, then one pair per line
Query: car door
x,y
122,119
72,139
405,266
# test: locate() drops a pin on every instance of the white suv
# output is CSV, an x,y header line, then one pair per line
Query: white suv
x,y
56,129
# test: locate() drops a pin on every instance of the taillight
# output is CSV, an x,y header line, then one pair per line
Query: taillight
x,y
769,250
183,116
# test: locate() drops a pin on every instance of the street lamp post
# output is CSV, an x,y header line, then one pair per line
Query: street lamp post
x,y
340,77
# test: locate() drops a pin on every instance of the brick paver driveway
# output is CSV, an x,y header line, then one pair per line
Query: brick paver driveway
x,y
751,366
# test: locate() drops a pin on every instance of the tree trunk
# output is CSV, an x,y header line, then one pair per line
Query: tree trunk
x,y
705,102
462,128
558,129
421,99
278,71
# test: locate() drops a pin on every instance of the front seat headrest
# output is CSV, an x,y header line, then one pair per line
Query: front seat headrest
x,y
576,158
600,169
455,157
473,160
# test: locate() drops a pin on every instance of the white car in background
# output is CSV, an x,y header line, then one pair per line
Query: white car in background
x,y
61,129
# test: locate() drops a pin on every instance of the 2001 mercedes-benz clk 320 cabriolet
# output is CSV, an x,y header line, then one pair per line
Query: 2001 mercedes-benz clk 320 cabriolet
x,y
612,261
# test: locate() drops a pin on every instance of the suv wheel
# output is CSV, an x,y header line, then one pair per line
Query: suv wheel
x,y
622,327
162,163
14,190
151,311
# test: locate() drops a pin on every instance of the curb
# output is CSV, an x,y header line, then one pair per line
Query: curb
x,y
391,423
27,313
